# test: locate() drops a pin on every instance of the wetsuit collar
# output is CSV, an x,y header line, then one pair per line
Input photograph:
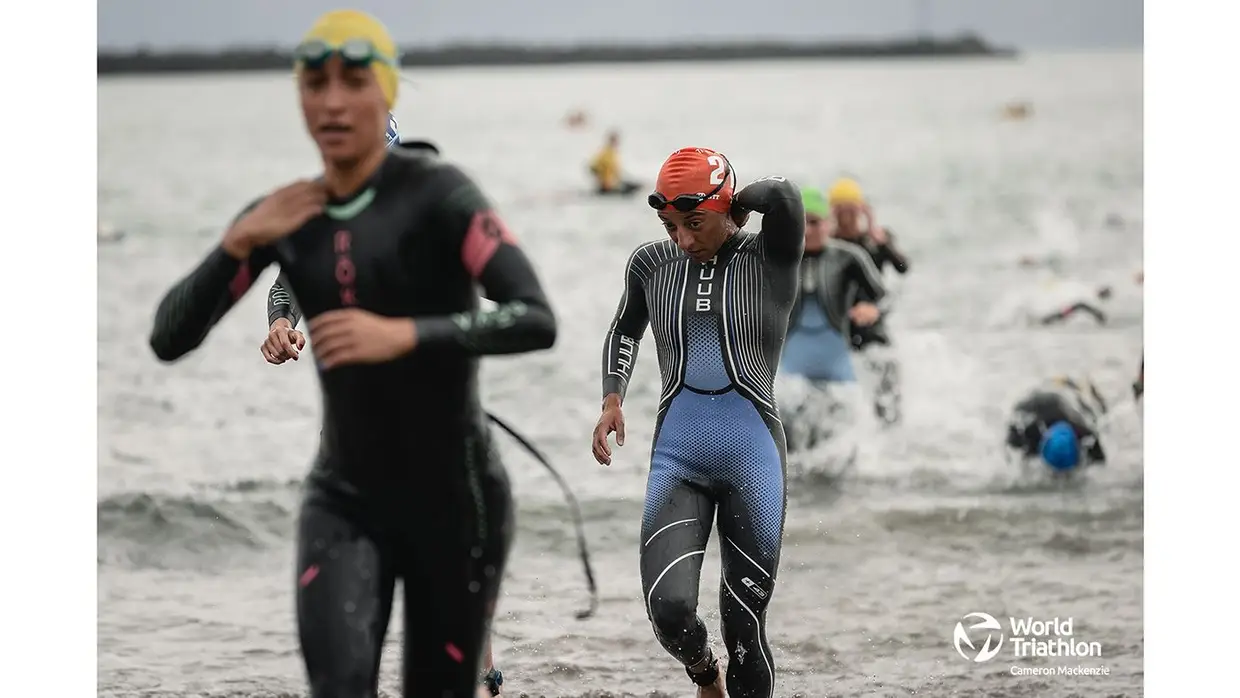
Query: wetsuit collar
x,y
346,207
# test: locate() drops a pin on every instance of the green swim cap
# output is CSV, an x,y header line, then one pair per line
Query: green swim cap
x,y
815,203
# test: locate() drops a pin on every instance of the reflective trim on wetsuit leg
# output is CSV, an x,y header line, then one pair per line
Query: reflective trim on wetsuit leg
x,y
715,448
675,528
751,514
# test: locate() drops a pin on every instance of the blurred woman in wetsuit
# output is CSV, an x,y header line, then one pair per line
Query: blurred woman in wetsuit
x,y
284,342
383,253
840,289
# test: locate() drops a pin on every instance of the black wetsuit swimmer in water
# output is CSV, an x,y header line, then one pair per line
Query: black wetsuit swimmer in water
x,y
406,482
717,301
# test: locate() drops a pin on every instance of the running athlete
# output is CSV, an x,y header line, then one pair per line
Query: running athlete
x,y
285,342
383,253
717,300
848,204
1058,422
834,275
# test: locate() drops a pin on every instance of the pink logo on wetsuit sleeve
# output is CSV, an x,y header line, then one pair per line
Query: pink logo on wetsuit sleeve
x,y
241,282
486,232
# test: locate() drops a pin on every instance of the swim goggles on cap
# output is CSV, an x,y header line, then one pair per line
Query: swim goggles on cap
x,y
355,53
687,202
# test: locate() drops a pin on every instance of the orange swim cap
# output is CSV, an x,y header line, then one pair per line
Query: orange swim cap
x,y
698,171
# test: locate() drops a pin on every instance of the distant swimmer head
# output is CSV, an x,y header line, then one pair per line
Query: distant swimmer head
x,y
1061,449
392,136
693,196
847,201
817,211
346,69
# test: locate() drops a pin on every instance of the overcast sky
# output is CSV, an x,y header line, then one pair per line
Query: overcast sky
x,y
1028,24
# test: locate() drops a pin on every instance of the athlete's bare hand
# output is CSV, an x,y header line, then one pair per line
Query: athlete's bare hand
x,y
876,232
864,314
283,342
355,336
612,420
282,212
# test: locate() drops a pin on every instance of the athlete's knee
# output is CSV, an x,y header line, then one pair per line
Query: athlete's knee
x,y
341,682
673,616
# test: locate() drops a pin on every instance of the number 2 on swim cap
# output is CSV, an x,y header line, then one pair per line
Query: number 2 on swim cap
x,y
716,176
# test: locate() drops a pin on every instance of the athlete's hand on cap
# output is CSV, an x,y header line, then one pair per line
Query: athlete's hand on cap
x,y
611,420
877,234
276,216
739,214
283,343
355,336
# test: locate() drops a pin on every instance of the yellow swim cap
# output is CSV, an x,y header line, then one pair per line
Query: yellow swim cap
x,y
339,26
845,191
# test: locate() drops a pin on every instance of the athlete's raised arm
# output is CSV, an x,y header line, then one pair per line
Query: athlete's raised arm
x,y
523,320
192,307
625,335
783,217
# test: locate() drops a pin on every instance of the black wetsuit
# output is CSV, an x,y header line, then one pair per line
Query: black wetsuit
x,y
406,482
882,255
1061,399
718,445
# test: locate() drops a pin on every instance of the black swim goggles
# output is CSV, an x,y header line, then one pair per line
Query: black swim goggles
x,y
356,53
687,202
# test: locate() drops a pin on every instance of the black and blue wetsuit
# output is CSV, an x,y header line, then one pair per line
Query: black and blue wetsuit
x,y
406,483
719,329
832,281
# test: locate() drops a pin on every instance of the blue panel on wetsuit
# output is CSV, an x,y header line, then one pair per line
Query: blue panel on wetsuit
x,y
720,440
815,350
704,368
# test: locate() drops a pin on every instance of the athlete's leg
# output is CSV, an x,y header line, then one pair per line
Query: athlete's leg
x,y
344,600
675,529
751,523
461,541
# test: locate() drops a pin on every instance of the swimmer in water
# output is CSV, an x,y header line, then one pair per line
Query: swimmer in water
x,y
717,300
605,167
285,342
1102,293
835,274
382,253
1058,423
848,206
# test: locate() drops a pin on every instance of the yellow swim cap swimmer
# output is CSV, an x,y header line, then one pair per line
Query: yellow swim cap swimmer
x,y
338,26
845,191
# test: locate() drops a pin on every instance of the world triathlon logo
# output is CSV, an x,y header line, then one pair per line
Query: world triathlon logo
x,y
985,630
979,637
